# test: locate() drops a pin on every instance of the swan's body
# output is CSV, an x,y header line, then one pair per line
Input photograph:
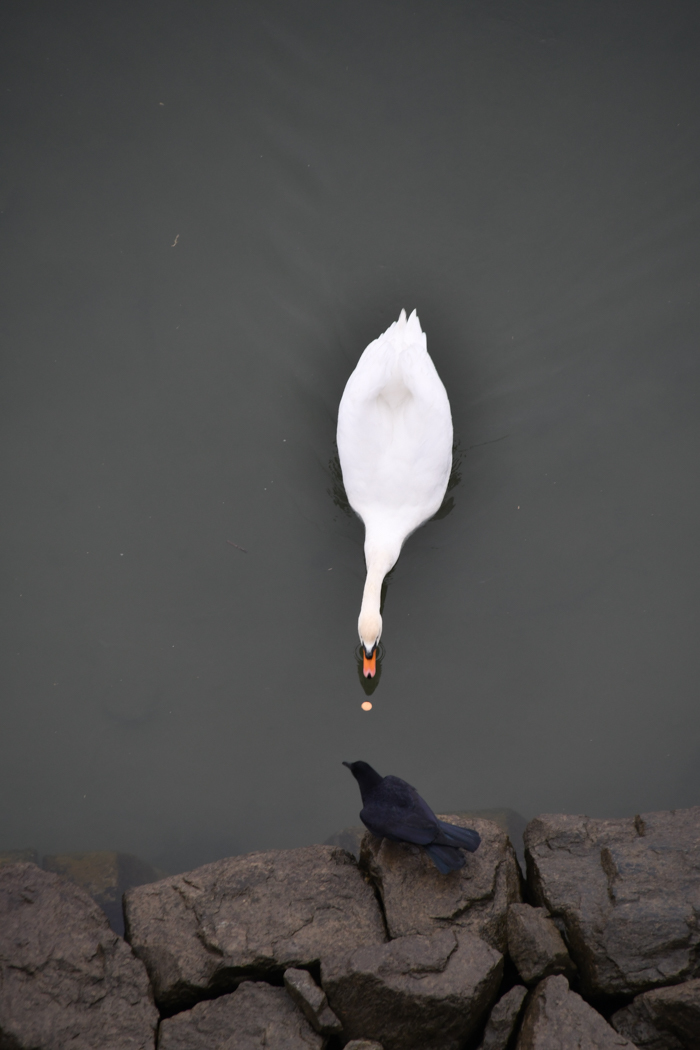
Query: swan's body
x,y
395,449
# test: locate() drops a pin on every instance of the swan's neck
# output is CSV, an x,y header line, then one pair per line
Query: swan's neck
x,y
369,624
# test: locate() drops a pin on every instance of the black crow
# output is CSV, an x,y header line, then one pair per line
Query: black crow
x,y
392,809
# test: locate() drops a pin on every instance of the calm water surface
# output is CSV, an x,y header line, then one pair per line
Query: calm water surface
x,y
208,210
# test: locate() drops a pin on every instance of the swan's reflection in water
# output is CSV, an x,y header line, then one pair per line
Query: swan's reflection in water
x,y
369,684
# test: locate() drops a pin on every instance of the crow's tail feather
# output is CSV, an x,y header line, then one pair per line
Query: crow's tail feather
x,y
445,858
465,838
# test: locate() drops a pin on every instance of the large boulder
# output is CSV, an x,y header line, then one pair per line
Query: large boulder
x,y
627,892
253,916
558,1019
256,1016
421,991
535,944
418,899
66,979
663,1019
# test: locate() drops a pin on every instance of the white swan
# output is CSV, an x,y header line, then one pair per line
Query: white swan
x,y
395,449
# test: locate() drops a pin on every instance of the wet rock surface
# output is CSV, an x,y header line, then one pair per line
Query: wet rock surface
x,y
418,899
558,1019
66,979
251,916
312,1001
535,944
254,1017
663,1019
503,1019
628,893
420,991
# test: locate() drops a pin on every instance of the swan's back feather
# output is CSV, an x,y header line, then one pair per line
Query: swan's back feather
x,y
395,435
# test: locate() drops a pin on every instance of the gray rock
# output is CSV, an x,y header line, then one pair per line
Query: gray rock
x,y
535,944
558,1019
363,1044
627,892
504,1017
421,991
253,1017
312,1001
418,899
663,1019
66,979
250,916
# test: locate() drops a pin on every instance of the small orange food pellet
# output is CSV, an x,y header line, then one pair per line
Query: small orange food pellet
x,y
366,706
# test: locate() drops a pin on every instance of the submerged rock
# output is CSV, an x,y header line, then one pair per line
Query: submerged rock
x,y
503,1019
253,916
418,899
349,839
16,856
663,1019
421,991
558,1019
626,891
106,875
255,1016
66,979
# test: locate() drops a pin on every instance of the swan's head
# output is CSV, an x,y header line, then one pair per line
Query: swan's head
x,y
370,627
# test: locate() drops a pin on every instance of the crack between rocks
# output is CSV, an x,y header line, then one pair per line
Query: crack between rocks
x,y
380,903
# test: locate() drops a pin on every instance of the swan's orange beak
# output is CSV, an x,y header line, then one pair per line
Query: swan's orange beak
x,y
369,663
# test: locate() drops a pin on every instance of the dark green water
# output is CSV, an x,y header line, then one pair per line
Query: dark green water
x,y
208,210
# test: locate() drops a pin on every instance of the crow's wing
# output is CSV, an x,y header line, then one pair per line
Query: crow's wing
x,y
398,824
452,835
445,858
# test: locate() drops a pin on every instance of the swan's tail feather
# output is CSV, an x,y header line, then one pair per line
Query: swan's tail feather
x,y
445,858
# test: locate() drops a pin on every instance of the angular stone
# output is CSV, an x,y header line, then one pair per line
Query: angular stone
x,y
663,1019
421,991
251,916
535,944
254,1017
558,1019
363,1044
628,893
503,1019
418,899
312,1001
66,979
106,875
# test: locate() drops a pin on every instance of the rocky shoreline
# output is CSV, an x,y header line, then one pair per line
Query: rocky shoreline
x,y
598,946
